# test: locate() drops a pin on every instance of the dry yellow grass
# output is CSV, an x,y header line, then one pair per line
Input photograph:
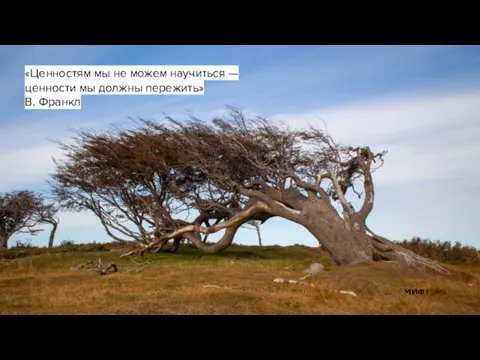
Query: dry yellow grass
x,y
242,280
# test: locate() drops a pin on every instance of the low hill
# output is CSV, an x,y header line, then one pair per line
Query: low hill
x,y
238,281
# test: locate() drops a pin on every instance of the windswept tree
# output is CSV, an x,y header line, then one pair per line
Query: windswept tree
x,y
47,214
126,178
254,224
232,171
22,211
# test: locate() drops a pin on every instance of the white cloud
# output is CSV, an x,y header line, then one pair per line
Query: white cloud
x,y
429,136
77,226
27,166
74,220
414,163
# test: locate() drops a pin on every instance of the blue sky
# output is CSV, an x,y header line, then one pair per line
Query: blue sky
x,y
422,103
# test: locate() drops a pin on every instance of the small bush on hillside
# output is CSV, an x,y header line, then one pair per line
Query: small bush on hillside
x,y
27,244
443,251
66,246
67,243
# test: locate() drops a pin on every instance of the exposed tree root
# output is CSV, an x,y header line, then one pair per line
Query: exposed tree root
x,y
386,250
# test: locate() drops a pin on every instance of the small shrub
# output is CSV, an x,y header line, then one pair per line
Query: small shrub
x,y
27,244
65,243
443,251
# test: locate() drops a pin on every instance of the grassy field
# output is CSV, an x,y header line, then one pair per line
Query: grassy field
x,y
238,281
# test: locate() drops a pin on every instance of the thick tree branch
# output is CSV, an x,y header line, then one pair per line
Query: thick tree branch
x,y
234,222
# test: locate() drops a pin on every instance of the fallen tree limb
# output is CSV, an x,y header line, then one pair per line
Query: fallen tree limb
x,y
300,281
136,251
136,270
110,268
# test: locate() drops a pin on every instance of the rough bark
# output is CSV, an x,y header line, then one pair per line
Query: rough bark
x,y
347,240
344,247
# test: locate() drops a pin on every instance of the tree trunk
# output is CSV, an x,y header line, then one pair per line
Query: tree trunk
x,y
351,242
176,244
354,247
217,247
172,248
257,227
52,235
344,247
3,242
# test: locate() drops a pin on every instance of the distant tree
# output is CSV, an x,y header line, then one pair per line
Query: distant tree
x,y
47,214
22,211
233,171
256,225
